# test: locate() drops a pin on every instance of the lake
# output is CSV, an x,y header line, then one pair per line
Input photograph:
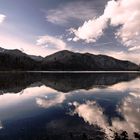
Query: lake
x,y
69,106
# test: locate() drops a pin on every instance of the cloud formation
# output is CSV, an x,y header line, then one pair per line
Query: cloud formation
x,y
75,10
122,14
2,18
91,30
11,42
54,42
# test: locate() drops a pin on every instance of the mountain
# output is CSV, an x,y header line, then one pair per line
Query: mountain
x,y
67,60
36,58
16,60
62,61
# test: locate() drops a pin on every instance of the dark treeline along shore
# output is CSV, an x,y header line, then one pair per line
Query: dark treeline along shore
x,y
16,60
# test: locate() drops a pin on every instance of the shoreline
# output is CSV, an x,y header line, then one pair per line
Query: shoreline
x,y
69,71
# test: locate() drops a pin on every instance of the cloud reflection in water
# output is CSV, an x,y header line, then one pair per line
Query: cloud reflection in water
x,y
129,108
49,102
112,107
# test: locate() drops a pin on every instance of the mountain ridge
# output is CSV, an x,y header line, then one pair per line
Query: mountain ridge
x,y
64,60
67,60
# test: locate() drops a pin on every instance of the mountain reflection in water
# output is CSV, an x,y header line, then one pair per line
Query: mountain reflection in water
x,y
69,106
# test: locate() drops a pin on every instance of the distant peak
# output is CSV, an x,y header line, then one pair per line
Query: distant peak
x,y
87,53
65,51
2,49
16,50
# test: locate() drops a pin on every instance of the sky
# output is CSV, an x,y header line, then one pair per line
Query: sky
x,y
43,27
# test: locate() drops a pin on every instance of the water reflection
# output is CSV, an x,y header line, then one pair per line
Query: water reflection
x,y
92,113
15,82
130,110
47,102
69,106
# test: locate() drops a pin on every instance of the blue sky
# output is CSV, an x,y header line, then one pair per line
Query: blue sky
x,y
42,27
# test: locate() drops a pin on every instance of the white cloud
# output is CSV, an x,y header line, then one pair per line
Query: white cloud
x,y
90,31
11,42
54,42
123,13
135,48
44,46
127,14
2,18
75,10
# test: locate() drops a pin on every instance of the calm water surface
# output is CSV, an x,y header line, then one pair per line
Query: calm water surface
x,y
39,106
